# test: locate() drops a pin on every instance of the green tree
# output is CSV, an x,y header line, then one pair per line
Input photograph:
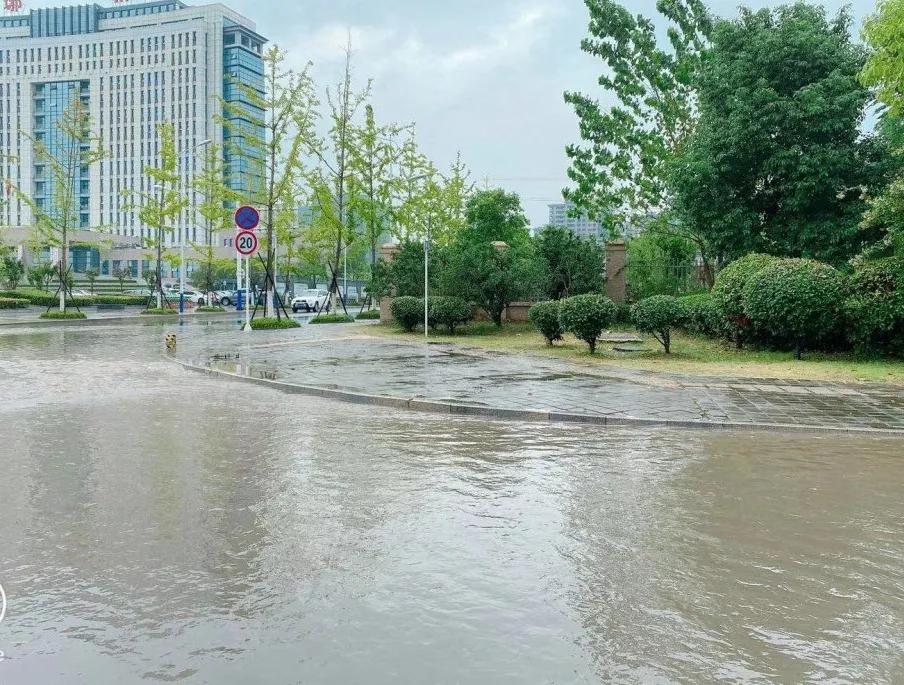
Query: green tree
x,y
492,262
334,181
11,270
495,215
78,148
884,72
283,120
91,275
159,207
372,156
619,170
777,162
571,265
661,264
123,274
215,209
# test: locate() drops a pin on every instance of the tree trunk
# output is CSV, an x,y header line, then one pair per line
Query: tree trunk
x,y
667,341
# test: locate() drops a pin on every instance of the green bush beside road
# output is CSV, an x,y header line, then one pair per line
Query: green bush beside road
x,y
545,318
273,324
587,316
13,303
56,314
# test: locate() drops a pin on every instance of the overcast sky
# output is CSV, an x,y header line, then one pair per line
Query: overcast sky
x,y
485,77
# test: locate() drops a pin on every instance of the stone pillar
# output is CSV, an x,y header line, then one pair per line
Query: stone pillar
x,y
616,273
387,254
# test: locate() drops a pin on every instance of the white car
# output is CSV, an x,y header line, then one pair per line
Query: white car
x,y
310,301
190,296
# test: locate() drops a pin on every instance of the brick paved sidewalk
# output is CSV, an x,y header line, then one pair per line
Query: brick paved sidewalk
x,y
370,365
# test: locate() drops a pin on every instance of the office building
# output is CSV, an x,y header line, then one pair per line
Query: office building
x,y
134,66
581,226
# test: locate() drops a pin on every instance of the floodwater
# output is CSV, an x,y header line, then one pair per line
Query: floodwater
x,y
162,526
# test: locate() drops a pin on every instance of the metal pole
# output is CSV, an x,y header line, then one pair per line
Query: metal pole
x,y
182,274
247,294
427,284
345,276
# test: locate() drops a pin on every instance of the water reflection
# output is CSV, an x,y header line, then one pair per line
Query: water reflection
x,y
158,525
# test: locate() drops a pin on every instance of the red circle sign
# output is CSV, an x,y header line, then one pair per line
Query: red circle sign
x,y
246,243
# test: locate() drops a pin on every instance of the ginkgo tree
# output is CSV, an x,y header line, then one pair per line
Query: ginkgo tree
x,y
160,206
76,149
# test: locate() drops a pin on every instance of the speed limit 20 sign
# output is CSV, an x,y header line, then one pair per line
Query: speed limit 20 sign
x,y
246,243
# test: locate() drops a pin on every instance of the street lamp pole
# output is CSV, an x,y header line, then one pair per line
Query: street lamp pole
x,y
427,282
159,285
191,219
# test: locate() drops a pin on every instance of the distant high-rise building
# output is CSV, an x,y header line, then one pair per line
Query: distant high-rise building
x,y
581,226
134,67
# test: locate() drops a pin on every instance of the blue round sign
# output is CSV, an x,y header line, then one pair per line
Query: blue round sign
x,y
247,218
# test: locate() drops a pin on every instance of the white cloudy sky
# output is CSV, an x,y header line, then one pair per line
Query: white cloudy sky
x,y
485,77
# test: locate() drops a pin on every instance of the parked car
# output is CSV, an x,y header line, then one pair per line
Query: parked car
x,y
191,295
223,297
230,297
311,301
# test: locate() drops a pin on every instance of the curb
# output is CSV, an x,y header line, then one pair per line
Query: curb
x,y
439,407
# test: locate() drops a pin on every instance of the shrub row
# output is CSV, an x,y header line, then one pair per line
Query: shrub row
x,y
47,299
13,303
331,318
369,314
450,312
584,316
63,315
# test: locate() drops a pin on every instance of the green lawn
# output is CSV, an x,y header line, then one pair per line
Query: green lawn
x,y
690,355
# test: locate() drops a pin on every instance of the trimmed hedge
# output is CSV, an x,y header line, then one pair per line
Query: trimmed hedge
x,y
587,316
45,299
795,301
408,311
368,315
703,315
13,303
545,318
658,315
58,315
127,300
209,309
875,309
163,311
273,324
728,292
332,318
449,312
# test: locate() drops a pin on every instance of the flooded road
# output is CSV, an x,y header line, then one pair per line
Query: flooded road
x,y
161,526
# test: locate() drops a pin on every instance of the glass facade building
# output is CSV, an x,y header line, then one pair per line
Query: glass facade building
x,y
134,66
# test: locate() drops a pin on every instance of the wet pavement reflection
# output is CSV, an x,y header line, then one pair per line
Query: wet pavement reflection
x,y
162,526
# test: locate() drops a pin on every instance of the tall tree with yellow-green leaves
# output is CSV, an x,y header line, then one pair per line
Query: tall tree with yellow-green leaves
x,y
159,207
280,130
77,148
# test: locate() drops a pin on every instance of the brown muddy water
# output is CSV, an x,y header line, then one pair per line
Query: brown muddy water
x,y
161,526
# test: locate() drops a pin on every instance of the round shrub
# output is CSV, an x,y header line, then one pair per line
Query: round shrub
x,y
587,316
545,318
658,315
875,309
701,314
408,311
449,312
795,300
13,303
728,291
